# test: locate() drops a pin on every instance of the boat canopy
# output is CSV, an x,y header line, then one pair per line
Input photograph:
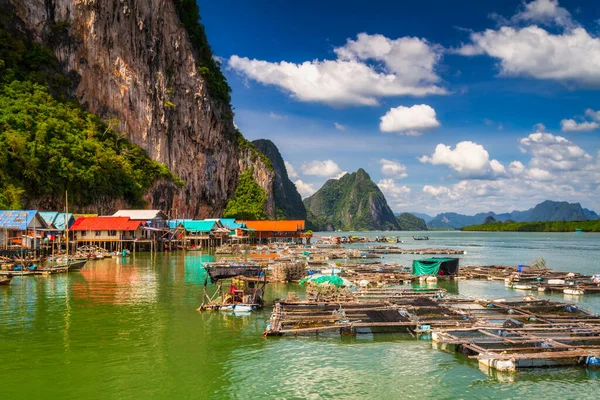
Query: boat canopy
x,y
435,266
321,279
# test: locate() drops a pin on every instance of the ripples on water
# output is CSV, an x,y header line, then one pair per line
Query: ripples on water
x,y
128,329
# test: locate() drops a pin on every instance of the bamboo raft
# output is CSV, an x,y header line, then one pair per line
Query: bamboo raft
x,y
539,333
408,310
502,335
428,251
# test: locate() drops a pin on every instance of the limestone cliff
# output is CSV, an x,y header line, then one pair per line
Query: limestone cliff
x,y
133,61
288,202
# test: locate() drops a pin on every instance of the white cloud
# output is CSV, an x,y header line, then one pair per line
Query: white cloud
x,y
553,153
393,168
340,127
544,12
338,176
409,120
516,168
570,56
277,116
305,189
558,170
326,169
468,159
436,190
366,69
291,171
595,115
538,174
397,196
570,125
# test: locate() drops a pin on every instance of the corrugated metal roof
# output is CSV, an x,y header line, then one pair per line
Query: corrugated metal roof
x,y
57,219
199,226
105,224
141,215
276,226
229,223
20,220
174,223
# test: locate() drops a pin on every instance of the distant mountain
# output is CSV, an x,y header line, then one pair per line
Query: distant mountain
x,y
424,217
352,203
410,222
288,202
560,211
545,211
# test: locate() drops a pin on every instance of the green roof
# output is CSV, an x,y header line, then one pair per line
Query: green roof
x,y
198,226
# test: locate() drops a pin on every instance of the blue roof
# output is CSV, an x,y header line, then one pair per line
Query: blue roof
x,y
198,226
174,223
19,220
229,223
57,219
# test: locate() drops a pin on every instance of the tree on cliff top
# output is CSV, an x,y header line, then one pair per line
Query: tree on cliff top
x,y
249,200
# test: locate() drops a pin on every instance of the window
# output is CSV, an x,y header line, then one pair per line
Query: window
x,y
97,233
83,233
112,233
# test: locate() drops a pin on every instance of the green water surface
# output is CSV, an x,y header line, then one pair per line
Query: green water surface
x,y
129,329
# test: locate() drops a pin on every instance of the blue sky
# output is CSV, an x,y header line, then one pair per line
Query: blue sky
x,y
449,106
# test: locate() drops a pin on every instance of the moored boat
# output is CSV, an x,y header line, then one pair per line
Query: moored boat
x,y
574,291
6,280
522,286
76,265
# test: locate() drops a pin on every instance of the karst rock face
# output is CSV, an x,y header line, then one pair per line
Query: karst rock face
x,y
133,64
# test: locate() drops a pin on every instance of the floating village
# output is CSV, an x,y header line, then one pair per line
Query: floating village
x,y
342,290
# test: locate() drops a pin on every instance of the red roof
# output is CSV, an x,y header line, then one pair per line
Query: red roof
x,y
105,224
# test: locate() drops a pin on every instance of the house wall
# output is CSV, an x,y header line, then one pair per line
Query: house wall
x,y
108,235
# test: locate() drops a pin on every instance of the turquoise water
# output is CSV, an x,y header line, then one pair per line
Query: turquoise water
x,y
128,329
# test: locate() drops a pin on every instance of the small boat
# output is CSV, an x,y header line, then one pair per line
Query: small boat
x,y
521,286
576,292
421,237
236,308
6,280
76,265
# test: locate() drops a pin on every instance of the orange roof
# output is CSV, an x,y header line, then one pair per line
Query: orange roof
x,y
294,225
105,224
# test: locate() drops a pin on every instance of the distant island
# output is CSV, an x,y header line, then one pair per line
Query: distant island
x,y
546,211
351,203
547,226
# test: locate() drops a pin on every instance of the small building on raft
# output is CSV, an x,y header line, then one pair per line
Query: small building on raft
x,y
22,229
435,266
197,234
238,232
155,225
112,233
277,231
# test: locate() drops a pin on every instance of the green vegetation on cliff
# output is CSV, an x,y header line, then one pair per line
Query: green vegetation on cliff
x,y
353,202
209,67
550,226
410,222
49,144
249,200
288,202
